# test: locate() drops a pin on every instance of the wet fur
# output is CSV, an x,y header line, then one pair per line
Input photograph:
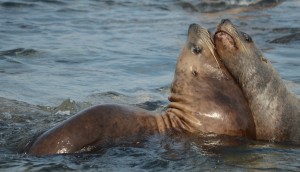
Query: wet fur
x,y
204,99
275,110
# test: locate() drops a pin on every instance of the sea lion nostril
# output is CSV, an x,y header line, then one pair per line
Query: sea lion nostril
x,y
193,25
194,29
225,21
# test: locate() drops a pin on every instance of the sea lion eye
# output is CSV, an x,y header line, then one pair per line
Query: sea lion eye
x,y
247,37
196,50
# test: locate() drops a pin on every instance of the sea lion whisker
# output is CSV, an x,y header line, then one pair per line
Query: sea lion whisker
x,y
219,65
211,48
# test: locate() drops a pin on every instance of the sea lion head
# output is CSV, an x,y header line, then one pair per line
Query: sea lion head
x,y
198,57
237,49
230,41
197,63
266,93
204,97
198,54
242,58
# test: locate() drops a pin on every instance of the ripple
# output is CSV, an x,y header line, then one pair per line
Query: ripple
x,y
286,30
19,52
295,37
221,5
68,107
50,2
71,10
15,5
152,105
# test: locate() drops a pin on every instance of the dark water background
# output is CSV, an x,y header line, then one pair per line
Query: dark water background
x,y
58,57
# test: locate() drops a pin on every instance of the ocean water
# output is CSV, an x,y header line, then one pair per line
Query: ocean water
x,y
58,57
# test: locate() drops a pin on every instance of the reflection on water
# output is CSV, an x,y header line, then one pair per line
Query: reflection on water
x,y
59,57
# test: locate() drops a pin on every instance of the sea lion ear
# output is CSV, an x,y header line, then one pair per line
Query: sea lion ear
x,y
262,58
247,37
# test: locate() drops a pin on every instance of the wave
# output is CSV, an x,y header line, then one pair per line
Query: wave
x,y
292,35
291,38
57,2
15,5
18,117
19,52
221,5
152,105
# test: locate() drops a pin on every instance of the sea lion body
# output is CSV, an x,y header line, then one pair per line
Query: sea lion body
x,y
98,125
204,99
275,110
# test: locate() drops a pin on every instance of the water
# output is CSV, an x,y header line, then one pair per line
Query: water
x,y
58,57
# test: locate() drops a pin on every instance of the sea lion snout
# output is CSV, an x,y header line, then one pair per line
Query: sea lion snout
x,y
224,21
226,39
192,26
195,31
198,38
224,25
225,35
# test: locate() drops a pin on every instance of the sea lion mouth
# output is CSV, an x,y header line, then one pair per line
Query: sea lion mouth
x,y
225,37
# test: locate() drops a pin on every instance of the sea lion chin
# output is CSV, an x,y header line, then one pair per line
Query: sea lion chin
x,y
275,110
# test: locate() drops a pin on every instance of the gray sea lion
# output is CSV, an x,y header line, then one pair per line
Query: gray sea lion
x,y
275,110
204,99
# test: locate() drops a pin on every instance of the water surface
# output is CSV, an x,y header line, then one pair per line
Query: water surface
x,y
58,57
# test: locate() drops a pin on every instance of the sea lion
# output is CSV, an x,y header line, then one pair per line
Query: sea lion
x,y
204,99
275,110
204,92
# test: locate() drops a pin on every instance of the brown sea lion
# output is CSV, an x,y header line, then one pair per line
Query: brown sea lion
x,y
204,92
204,99
276,111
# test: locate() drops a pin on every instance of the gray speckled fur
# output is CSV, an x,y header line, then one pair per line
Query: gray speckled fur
x,y
275,110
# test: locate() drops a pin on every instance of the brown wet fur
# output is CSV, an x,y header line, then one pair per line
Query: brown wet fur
x,y
276,111
204,99
98,125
